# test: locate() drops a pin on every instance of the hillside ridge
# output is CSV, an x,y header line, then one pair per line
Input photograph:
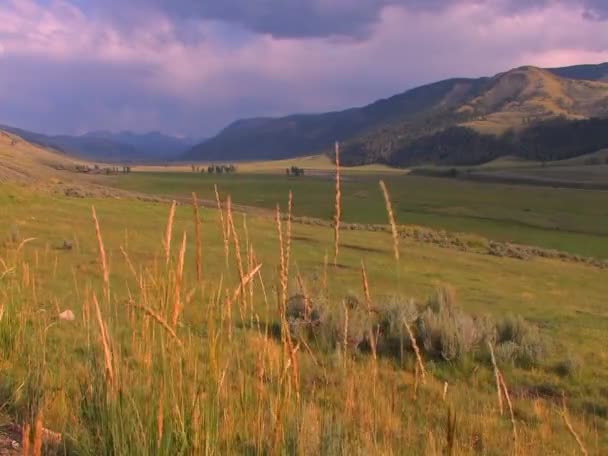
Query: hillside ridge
x,y
509,100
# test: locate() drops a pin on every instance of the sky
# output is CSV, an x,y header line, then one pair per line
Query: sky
x,y
190,67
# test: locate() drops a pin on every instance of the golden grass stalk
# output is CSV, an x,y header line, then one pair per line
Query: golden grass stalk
x,y
38,431
168,232
283,278
25,440
372,342
510,405
250,266
160,418
25,241
416,350
223,224
345,335
337,207
105,343
432,446
450,432
288,233
129,263
179,275
391,219
196,425
199,243
282,266
237,253
566,418
325,281
101,252
307,307
160,320
295,370
368,298
245,281
497,378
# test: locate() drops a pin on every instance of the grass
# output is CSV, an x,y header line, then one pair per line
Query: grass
x,y
565,174
570,220
229,386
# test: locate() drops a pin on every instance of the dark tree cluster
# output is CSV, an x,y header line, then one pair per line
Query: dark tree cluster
x,y
96,169
294,171
221,169
549,140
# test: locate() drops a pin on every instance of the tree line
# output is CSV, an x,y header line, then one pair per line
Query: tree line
x,y
556,139
214,169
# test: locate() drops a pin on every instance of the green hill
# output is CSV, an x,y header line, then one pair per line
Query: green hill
x,y
515,113
379,132
301,134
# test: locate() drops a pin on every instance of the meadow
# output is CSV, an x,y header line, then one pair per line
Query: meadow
x,y
176,352
569,220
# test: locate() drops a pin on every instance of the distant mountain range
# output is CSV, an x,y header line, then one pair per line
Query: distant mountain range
x,y
436,123
456,121
111,147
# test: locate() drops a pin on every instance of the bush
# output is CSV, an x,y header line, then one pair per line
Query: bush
x,y
506,353
447,332
570,366
516,332
389,317
442,330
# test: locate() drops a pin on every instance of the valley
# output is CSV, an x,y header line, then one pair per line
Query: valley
x,y
440,291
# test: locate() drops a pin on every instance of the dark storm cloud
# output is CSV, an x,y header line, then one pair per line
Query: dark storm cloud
x,y
597,9
322,18
188,67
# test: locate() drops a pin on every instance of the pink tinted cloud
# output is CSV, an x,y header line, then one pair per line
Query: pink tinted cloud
x,y
211,73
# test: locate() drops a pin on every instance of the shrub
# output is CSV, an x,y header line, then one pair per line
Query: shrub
x,y
441,329
516,332
506,353
511,329
569,366
389,316
446,331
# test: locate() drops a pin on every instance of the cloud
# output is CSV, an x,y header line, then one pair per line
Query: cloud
x,y
72,68
324,18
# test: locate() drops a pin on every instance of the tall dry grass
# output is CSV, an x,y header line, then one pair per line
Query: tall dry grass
x,y
134,381
102,253
337,206
391,219
169,232
199,242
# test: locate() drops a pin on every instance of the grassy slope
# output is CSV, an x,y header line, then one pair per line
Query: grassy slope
x,y
566,300
535,94
25,162
570,220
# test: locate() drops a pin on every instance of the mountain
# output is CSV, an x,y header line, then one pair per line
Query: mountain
x,y
509,104
382,131
273,138
585,72
111,147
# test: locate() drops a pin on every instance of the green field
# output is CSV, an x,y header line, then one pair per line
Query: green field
x,y
565,300
570,220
